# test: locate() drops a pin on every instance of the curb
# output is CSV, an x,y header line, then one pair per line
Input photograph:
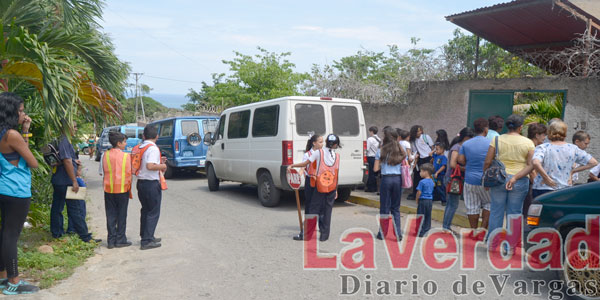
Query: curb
x,y
436,214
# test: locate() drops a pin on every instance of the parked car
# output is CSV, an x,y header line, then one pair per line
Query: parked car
x,y
255,143
133,133
565,210
180,140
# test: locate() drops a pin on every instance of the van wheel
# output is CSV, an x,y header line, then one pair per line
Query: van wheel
x,y
268,194
343,194
169,172
213,181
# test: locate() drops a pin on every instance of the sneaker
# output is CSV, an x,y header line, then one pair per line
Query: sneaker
x,y
157,240
3,283
150,245
22,287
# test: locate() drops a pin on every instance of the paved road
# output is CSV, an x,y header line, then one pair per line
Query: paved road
x,y
225,245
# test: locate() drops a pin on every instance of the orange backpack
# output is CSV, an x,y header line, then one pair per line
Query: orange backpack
x,y
327,176
136,158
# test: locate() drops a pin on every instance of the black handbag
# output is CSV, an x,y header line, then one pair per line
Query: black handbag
x,y
495,174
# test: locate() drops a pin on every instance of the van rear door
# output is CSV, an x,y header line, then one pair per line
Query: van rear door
x,y
309,118
346,121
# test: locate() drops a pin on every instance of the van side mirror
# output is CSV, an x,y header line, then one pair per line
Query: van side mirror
x,y
208,139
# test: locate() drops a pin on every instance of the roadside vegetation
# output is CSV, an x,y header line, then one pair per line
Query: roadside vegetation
x,y
56,57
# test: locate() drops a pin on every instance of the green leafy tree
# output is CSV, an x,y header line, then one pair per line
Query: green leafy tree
x,y
263,76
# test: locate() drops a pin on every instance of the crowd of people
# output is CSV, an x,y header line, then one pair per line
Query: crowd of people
x,y
117,168
439,170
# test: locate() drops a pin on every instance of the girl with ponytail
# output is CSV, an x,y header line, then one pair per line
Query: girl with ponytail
x,y
314,143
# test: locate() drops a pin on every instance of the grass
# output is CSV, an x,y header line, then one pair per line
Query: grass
x,y
46,269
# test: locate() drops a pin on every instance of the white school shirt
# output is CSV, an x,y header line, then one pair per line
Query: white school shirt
x,y
152,155
329,157
372,145
423,145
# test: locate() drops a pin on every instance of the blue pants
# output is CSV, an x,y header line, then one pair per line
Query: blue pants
x,y
509,202
150,196
308,193
451,206
389,200
439,192
371,179
424,208
82,211
74,211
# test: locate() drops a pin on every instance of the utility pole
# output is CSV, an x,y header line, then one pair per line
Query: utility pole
x,y
137,95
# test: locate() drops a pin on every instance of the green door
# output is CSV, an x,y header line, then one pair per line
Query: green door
x,y
483,104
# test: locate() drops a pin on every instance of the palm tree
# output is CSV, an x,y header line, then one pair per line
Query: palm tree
x,y
56,47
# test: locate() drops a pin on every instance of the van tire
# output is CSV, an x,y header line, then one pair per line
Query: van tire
x,y
169,172
343,194
213,181
268,194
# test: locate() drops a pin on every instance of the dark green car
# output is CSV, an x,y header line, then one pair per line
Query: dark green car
x,y
565,210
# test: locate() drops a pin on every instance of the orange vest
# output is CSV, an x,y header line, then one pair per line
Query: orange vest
x,y
311,171
117,171
327,176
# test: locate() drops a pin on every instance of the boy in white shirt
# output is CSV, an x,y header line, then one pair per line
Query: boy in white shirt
x,y
149,189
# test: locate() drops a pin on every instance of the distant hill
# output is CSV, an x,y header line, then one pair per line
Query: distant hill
x,y
170,100
151,107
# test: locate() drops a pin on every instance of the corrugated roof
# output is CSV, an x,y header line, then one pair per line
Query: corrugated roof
x,y
532,25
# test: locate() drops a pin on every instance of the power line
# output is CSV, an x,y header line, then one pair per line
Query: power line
x,y
171,79
148,34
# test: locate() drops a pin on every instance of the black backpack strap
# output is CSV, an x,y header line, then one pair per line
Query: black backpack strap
x,y
496,138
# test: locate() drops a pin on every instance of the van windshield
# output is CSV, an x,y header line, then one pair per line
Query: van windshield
x,y
310,119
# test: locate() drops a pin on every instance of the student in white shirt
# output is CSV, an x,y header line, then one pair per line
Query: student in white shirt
x,y
322,203
149,189
421,145
314,143
373,144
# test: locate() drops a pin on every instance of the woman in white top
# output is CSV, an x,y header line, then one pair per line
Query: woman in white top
x,y
314,143
421,145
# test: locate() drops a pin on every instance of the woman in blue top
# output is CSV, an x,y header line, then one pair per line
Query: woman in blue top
x,y
15,189
388,159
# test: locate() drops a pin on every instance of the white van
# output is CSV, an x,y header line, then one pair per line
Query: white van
x,y
254,143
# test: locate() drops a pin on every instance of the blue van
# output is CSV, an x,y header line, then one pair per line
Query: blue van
x,y
180,140
133,133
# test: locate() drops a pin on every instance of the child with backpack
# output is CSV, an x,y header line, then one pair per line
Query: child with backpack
x,y
327,169
116,170
148,165
314,144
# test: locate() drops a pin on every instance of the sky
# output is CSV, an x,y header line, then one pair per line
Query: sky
x,y
178,44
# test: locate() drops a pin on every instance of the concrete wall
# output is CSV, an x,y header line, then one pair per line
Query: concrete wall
x,y
444,105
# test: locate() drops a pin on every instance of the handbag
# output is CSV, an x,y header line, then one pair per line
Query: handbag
x,y
495,174
406,178
80,195
455,186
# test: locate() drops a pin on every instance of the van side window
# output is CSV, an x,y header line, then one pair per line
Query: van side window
x,y
221,127
310,118
238,124
130,133
188,127
166,129
345,120
265,121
